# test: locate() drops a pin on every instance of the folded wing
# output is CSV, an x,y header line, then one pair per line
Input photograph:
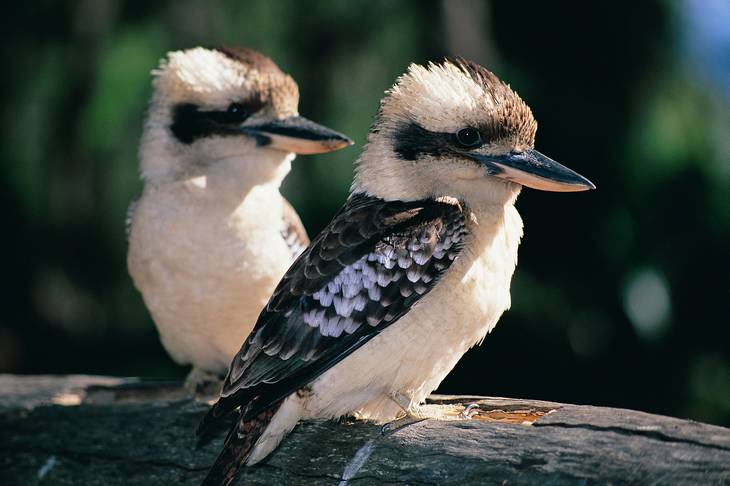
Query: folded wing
x,y
373,262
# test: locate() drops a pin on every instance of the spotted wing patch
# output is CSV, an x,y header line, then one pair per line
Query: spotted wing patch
x,y
373,262
294,233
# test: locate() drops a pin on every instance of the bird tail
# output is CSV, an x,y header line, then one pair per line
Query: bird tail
x,y
219,418
238,447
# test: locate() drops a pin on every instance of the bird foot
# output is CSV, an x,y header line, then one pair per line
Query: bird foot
x,y
202,383
426,412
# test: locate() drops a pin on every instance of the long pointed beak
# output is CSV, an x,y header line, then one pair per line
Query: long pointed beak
x,y
532,169
297,134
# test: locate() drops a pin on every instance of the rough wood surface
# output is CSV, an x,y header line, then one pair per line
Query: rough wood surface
x,y
98,430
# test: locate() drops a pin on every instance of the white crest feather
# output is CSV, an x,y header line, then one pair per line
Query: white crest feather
x,y
202,76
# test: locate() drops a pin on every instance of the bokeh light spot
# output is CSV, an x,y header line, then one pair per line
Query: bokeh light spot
x,y
647,303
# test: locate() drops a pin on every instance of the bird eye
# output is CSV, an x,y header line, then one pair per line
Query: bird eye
x,y
469,137
236,109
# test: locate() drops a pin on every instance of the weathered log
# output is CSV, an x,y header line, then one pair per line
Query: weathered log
x,y
97,430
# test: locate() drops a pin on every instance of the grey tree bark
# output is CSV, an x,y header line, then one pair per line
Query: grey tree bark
x,y
98,430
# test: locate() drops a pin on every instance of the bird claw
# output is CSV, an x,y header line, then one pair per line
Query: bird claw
x,y
469,411
398,424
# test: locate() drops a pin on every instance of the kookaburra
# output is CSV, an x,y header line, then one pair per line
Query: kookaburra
x,y
211,234
413,271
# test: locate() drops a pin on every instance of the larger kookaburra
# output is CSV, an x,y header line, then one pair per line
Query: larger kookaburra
x,y
413,271
211,235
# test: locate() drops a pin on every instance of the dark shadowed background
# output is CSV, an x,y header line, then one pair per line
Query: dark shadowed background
x,y
621,296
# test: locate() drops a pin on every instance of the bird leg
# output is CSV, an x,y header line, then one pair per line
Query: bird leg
x,y
412,413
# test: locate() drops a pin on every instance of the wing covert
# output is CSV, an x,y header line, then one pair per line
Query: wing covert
x,y
373,262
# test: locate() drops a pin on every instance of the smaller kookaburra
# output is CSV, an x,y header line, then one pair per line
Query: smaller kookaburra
x,y
211,234
413,271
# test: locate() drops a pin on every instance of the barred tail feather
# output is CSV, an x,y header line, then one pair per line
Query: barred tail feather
x,y
238,447
219,418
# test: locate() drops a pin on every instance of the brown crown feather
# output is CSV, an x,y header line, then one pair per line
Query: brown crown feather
x,y
252,59
275,86
513,119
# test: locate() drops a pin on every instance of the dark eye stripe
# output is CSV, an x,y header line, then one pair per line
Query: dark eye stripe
x,y
190,123
411,141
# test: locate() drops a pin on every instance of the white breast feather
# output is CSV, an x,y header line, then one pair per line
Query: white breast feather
x,y
416,353
205,272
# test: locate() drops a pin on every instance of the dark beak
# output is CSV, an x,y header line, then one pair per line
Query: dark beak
x,y
532,169
297,134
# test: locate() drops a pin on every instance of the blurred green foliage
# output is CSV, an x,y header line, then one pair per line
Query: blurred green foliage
x,y
621,296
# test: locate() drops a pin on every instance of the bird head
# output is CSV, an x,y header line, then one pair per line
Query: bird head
x,y
454,129
214,104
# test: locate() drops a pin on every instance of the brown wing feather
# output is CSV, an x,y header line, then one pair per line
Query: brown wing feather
x,y
373,262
